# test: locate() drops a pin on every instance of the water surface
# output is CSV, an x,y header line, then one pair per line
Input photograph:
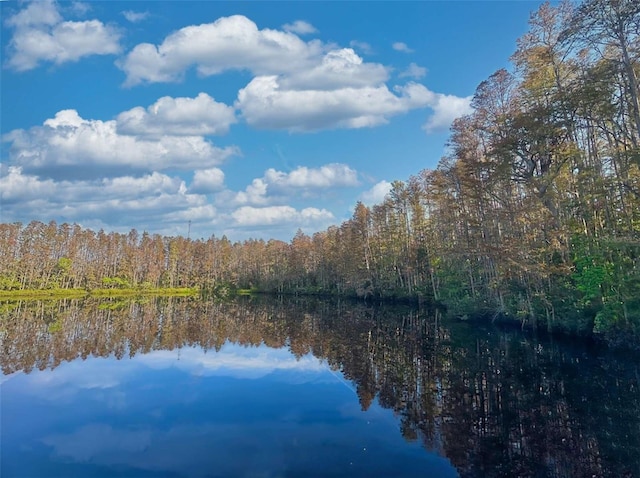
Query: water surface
x,y
274,388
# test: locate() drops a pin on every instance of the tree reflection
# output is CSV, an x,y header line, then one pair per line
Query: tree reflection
x,y
496,403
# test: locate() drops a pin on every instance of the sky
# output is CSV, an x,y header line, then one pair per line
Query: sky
x,y
238,119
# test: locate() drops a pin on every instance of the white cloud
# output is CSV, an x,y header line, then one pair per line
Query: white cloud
x,y
337,69
327,176
135,17
400,46
255,194
156,202
17,186
413,71
14,186
446,108
232,360
197,116
300,27
40,34
376,194
207,180
130,187
40,13
298,85
151,201
69,144
229,43
264,104
278,215
278,186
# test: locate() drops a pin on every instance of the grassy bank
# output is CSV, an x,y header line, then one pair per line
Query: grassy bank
x,y
174,291
35,294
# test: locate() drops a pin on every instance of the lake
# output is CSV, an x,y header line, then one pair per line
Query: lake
x,y
288,387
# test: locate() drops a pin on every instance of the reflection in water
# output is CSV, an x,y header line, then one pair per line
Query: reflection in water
x,y
494,403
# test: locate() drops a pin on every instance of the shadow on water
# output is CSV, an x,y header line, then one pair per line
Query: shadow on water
x,y
495,402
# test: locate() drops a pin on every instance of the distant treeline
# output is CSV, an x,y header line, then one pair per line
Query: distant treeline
x,y
533,216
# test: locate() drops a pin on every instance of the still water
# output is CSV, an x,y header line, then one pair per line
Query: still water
x,y
284,388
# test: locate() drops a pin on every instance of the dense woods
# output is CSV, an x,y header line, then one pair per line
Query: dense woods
x,y
533,215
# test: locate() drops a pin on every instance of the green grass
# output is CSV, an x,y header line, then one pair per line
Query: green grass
x,y
244,291
42,294
34,294
173,291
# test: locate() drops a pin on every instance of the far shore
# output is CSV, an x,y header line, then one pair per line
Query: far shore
x,y
79,293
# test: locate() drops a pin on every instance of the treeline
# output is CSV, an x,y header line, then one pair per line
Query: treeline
x,y
534,214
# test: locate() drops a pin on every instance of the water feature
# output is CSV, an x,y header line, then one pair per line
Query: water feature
x,y
290,387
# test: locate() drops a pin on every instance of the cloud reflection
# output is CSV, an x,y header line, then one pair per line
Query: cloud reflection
x,y
232,360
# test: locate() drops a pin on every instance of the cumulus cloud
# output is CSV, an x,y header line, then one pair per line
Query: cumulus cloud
x,y
156,202
337,69
400,46
414,71
297,85
71,145
255,194
228,43
18,186
279,215
277,185
327,176
44,13
197,116
135,17
41,35
376,194
300,27
264,104
14,186
207,180
236,43
134,200
446,108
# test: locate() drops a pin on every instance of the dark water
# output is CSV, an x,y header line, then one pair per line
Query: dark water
x,y
280,388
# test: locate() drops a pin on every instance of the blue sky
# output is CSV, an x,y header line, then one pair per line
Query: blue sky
x,y
245,119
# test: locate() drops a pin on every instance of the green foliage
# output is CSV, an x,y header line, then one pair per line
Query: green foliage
x,y
131,292
33,294
64,265
116,282
593,273
9,283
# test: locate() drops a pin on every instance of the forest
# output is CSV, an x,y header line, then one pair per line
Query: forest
x,y
533,215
